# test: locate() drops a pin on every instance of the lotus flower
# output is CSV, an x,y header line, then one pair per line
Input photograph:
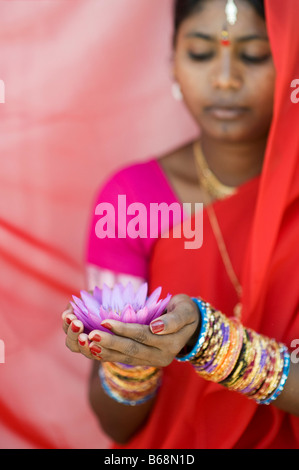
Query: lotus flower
x,y
119,303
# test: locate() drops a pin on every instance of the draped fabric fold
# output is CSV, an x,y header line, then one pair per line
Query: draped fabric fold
x,y
206,414
280,179
69,119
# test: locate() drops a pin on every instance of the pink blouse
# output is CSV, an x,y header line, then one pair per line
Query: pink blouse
x,y
132,192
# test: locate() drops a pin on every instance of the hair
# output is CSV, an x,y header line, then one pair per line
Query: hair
x,y
184,8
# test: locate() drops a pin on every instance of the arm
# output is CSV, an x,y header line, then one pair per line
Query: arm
x,y
244,361
119,422
289,399
135,345
247,362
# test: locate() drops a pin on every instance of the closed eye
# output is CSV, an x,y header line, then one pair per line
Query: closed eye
x,y
255,59
201,57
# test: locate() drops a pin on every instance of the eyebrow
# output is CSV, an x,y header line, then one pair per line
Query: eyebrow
x,y
207,37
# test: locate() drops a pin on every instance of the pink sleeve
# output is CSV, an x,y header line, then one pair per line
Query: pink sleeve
x,y
139,184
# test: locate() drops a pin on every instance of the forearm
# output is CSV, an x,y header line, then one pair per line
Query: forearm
x,y
120,422
244,361
289,399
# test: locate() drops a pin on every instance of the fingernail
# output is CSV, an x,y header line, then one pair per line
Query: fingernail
x,y
96,338
81,341
95,349
75,327
107,325
157,326
68,320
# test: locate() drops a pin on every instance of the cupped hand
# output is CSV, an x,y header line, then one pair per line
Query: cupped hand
x,y
154,345
76,340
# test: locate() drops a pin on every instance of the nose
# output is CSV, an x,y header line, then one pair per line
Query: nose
x,y
226,76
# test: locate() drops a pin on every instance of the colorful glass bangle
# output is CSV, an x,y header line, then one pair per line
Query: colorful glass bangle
x,y
202,307
285,374
130,385
119,398
237,357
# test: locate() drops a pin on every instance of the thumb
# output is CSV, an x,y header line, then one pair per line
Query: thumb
x,y
180,312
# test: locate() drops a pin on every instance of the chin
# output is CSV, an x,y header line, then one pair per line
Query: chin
x,y
232,132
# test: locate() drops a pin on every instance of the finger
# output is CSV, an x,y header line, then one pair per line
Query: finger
x,y
126,343
117,348
95,349
108,355
69,318
66,318
95,336
83,344
181,313
75,328
134,331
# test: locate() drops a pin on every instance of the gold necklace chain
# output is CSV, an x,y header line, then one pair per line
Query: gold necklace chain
x,y
215,189
208,180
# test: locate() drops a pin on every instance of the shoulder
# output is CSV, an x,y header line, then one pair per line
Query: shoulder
x,y
150,180
143,182
131,178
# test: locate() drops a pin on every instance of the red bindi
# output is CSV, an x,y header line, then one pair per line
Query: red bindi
x,y
225,41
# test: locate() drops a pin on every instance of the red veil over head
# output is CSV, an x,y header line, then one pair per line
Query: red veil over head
x,y
190,412
279,189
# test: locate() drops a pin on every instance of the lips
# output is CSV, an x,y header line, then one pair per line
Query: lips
x,y
226,113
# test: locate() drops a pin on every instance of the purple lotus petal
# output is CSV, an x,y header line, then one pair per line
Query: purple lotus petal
x,y
120,287
119,303
74,306
90,302
128,315
163,305
113,316
140,297
90,325
97,293
128,294
157,310
152,309
78,312
80,304
102,314
141,316
153,298
116,299
106,297
153,315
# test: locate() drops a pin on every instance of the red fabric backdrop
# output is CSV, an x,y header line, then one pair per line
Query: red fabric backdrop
x,y
87,89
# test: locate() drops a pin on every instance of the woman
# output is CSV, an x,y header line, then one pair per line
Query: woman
x,y
215,395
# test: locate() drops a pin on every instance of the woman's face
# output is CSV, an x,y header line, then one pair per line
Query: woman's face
x,y
229,90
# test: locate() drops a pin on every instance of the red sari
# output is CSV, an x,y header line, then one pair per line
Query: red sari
x,y
260,226
191,412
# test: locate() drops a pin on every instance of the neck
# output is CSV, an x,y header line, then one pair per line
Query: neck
x,y
234,163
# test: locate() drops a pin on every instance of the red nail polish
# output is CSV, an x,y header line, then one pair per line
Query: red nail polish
x,y
96,338
95,349
68,320
81,341
75,328
107,325
157,326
